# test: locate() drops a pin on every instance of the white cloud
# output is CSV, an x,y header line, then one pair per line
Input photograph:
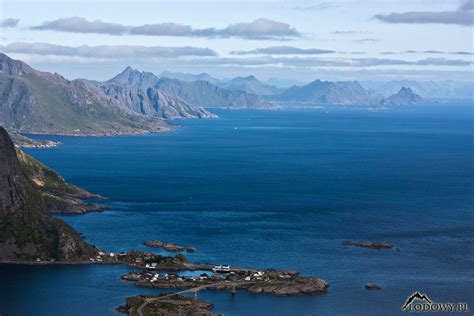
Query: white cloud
x,y
463,16
283,50
258,29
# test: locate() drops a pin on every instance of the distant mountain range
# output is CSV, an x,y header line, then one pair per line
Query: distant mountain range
x,y
315,93
380,89
205,94
132,102
135,101
327,92
427,89
403,97
250,84
190,77
41,102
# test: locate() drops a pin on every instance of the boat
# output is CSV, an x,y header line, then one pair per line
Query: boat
x,y
221,268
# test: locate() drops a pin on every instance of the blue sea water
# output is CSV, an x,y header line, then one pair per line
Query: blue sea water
x,y
275,189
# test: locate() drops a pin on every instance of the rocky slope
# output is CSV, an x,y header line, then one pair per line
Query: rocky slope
x,y
58,196
403,97
327,92
40,102
136,91
27,232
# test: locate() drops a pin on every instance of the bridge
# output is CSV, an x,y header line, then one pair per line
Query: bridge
x,y
193,290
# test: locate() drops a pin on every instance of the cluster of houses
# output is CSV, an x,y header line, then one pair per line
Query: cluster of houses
x,y
107,257
147,276
230,275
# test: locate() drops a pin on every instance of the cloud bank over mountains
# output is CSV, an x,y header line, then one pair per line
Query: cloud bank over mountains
x,y
106,51
272,56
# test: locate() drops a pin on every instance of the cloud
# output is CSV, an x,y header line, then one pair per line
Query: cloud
x,y
348,32
366,40
106,51
467,6
5,23
316,6
438,52
162,29
463,16
203,57
283,50
258,29
306,62
81,25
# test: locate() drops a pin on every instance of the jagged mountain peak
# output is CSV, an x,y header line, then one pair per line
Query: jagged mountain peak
x,y
12,67
405,96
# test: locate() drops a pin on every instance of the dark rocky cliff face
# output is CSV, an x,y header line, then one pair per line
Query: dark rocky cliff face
x,y
27,232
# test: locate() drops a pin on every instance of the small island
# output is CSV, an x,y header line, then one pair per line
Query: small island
x,y
274,282
368,244
168,246
165,304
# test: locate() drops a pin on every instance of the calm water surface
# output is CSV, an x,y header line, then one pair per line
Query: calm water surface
x,y
275,189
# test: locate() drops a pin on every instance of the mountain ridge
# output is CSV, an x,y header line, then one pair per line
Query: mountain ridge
x,y
403,97
326,92
38,102
136,91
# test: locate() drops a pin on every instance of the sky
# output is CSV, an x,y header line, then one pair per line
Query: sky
x,y
293,40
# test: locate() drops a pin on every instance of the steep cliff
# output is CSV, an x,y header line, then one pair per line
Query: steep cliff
x,y
27,232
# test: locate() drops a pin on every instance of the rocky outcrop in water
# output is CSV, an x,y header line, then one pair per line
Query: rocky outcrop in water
x,y
368,244
372,287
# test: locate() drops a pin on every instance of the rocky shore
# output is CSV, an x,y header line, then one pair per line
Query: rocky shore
x,y
58,196
22,141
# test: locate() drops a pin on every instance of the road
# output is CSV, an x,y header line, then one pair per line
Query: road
x,y
192,290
